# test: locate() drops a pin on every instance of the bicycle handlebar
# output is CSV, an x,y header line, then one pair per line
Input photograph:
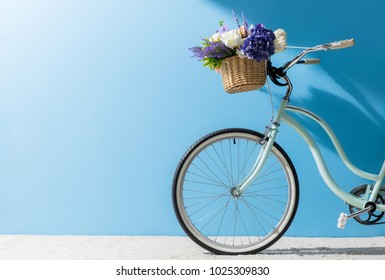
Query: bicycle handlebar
x,y
276,74
324,47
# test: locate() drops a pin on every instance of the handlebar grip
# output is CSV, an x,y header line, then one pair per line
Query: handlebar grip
x,y
341,44
312,61
309,61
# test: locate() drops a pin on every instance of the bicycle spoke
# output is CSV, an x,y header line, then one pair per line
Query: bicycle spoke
x,y
216,212
254,215
207,177
273,206
267,214
223,161
222,218
211,170
248,158
243,224
205,205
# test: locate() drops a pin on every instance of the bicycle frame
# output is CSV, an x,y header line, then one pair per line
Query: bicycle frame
x,y
347,197
282,115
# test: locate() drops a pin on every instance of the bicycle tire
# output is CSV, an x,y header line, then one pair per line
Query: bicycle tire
x,y
209,212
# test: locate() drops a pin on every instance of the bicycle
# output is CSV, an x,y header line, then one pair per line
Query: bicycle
x,y
236,191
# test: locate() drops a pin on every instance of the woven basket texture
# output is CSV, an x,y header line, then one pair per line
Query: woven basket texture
x,y
242,74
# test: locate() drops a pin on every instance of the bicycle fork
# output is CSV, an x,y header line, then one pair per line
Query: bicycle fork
x,y
267,144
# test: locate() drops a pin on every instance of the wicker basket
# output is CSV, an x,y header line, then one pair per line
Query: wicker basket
x,y
242,74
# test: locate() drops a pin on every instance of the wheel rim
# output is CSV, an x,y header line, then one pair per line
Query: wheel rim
x,y
217,216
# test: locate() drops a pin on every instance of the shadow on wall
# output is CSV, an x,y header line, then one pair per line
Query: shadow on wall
x,y
354,106
358,125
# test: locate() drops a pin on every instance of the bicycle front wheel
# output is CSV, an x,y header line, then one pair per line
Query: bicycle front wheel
x,y
216,217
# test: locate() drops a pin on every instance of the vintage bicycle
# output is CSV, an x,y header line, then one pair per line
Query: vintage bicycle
x,y
236,191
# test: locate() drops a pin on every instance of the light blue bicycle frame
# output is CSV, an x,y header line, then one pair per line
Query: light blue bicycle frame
x,y
359,202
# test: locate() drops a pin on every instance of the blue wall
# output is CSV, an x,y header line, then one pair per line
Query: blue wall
x,y
100,99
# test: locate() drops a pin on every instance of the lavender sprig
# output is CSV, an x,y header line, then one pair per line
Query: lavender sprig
x,y
245,22
222,29
197,52
217,50
236,19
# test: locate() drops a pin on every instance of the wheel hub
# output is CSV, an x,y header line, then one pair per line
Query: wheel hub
x,y
235,192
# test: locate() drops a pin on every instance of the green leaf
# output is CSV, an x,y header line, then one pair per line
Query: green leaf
x,y
212,63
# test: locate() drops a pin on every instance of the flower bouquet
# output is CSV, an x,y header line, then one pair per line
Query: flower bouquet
x,y
240,54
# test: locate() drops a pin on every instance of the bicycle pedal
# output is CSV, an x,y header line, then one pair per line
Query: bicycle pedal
x,y
342,221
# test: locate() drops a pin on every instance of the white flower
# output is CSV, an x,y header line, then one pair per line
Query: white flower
x,y
241,54
214,38
280,40
232,38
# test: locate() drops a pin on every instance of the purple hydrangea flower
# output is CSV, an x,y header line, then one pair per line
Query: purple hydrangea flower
x,y
259,45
